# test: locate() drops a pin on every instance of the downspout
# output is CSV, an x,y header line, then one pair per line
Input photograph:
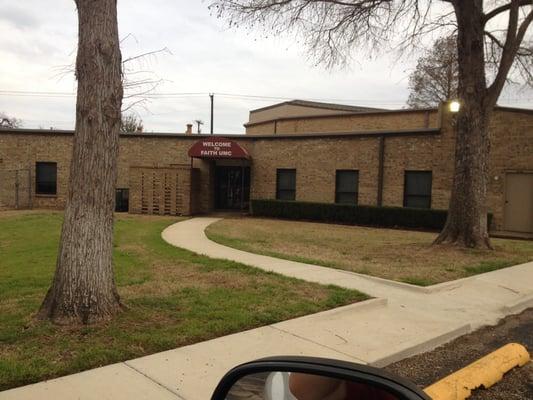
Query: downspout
x,y
192,196
381,167
242,184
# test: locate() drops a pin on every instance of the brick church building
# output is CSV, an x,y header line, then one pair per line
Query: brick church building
x,y
296,150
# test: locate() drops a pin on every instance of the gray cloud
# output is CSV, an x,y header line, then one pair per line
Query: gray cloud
x,y
18,16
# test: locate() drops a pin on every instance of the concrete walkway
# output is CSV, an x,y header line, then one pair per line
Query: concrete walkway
x,y
402,320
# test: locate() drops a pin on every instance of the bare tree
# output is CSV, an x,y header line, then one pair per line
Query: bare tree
x,y
139,81
436,75
493,41
130,123
9,122
83,289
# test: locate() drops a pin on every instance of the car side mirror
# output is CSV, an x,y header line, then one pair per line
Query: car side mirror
x,y
309,378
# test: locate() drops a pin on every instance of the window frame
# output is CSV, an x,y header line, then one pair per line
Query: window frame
x,y
279,190
356,188
406,196
38,191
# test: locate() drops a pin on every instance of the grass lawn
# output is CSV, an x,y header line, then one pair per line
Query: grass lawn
x,y
400,255
173,298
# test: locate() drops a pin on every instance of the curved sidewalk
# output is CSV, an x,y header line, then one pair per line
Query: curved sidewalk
x,y
477,300
190,235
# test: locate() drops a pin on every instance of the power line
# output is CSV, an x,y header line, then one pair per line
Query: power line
x,y
72,94
35,92
252,97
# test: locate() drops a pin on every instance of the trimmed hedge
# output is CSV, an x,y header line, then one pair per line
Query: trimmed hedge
x,y
352,214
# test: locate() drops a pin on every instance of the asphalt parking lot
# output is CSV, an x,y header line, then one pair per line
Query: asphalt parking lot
x,y
425,369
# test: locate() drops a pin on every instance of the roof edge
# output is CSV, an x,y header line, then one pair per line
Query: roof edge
x,y
68,132
314,104
308,135
514,109
343,114
376,133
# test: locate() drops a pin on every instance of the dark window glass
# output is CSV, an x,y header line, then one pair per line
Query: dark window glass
x,y
286,184
122,203
46,178
346,186
417,189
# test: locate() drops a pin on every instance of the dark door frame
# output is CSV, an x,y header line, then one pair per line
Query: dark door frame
x,y
244,174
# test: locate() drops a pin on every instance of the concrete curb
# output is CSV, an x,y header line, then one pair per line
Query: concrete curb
x,y
518,306
365,305
422,347
438,287
383,281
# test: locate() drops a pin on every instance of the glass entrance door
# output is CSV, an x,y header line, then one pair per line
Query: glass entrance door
x,y
232,187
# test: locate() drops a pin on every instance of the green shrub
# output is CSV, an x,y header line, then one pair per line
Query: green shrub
x,y
352,214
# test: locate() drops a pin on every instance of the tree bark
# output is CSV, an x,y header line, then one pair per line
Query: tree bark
x,y
466,225
83,289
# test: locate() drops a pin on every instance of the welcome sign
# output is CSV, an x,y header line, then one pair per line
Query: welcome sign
x,y
217,147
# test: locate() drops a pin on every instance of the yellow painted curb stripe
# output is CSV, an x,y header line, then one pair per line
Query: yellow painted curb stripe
x,y
484,372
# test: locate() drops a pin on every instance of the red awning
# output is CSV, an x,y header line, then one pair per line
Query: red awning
x,y
217,147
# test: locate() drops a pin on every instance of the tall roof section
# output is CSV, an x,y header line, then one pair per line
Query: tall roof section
x,y
296,108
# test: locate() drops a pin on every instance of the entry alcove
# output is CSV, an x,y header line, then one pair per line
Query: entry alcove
x,y
228,165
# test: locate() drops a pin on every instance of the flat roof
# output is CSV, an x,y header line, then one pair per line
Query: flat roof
x,y
337,115
317,104
376,112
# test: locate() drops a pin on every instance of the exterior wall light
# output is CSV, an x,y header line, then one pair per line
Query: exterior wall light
x,y
455,106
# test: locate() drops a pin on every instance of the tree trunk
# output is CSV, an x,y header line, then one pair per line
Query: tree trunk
x,y
83,289
466,225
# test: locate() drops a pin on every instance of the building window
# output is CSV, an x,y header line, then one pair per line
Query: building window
x,y
286,184
417,189
46,178
346,186
122,202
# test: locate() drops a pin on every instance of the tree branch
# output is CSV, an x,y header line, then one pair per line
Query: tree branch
x,y
507,57
503,8
511,47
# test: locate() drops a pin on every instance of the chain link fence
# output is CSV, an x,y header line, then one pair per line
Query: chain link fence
x,y
15,189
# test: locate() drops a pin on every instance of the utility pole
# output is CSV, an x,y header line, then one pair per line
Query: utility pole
x,y
212,96
199,123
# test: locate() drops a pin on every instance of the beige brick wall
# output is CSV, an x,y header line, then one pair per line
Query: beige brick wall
x,y
289,110
374,121
422,153
315,158
22,151
315,161
511,151
205,185
151,151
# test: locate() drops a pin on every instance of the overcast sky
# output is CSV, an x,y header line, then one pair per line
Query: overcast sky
x,y
38,46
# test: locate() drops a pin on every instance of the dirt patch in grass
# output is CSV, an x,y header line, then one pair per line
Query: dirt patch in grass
x,y
427,368
405,256
173,298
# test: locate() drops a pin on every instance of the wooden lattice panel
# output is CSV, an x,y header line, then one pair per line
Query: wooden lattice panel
x,y
160,190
